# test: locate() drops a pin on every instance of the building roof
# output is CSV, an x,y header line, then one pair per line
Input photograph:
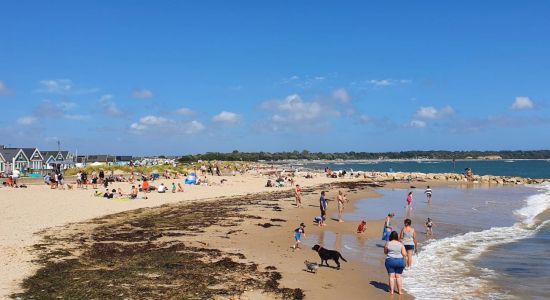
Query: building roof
x,y
10,153
30,151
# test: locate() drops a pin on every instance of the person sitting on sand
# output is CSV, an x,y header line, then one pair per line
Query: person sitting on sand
x,y
134,192
298,235
162,188
108,194
362,227
145,186
47,179
180,188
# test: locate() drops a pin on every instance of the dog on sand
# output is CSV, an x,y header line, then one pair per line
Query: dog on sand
x,y
311,266
326,254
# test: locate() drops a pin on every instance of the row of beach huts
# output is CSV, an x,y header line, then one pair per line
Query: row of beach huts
x,y
35,161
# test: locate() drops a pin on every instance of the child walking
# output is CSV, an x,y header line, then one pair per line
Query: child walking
x,y
298,235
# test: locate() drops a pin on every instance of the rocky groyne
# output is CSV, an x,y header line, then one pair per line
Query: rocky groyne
x,y
453,177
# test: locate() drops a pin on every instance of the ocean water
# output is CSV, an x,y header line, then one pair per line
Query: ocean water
x,y
489,243
521,168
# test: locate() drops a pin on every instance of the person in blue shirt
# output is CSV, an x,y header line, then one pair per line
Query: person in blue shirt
x,y
298,232
323,207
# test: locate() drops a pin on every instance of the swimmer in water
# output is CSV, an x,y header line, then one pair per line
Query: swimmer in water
x,y
429,225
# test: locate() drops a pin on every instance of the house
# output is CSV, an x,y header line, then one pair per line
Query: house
x,y
123,160
2,163
35,158
101,159
49,158
15,158
64,158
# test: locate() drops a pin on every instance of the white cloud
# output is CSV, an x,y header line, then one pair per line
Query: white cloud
x,y
160,124
142,94
522,103
364,119
294,109
430,112
341,95
193,127
58,86
137,126
184,111
109,106
62,86
4,90
294,113
388,82
154,120
227,118
77,117
417,124
305,81
27,120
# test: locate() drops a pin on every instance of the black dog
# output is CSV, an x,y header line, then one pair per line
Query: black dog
x,y
326,254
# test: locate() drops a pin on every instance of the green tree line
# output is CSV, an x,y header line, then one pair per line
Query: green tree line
x,y
306,155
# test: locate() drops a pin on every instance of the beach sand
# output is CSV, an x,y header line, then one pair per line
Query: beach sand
x,y
27,212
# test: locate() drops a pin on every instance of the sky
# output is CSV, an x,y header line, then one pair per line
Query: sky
x,y
181,77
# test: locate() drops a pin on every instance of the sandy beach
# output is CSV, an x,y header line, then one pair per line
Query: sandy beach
x,y
26,212
35,212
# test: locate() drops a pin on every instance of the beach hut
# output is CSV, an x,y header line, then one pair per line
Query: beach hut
x,y
15,158
49,158
35,158
2,163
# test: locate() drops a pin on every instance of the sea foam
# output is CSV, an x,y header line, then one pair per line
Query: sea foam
x,y
443,269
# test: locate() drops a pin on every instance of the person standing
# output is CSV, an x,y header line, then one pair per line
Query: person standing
x,y
408,238
101,176
341,203
395,262
94,180
409,199
323,207
298,195
387,227
428,193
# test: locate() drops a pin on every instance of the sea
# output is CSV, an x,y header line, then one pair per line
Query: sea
x,y
488,243
528,168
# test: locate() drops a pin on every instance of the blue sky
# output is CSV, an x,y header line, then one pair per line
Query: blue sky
x,y
168,77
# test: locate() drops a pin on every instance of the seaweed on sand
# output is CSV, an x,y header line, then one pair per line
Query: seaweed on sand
x,y
141,255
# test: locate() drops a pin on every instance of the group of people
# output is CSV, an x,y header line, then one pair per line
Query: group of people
x,y
55,180
400,247
12,179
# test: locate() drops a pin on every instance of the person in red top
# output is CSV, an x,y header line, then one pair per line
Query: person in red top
x,y
145,186
298,195
362,227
